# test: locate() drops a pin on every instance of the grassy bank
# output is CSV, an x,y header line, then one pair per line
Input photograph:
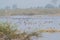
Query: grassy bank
x,y
11,12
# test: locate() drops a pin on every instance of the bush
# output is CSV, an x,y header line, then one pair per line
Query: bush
x,y
7,30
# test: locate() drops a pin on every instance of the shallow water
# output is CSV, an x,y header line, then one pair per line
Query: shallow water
x,y
34,23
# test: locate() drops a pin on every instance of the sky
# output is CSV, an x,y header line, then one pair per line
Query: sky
x,y
25,3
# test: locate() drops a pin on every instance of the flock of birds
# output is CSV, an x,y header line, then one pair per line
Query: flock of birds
x,y
34,22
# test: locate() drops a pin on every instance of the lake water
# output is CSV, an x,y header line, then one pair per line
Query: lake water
x,y
34,23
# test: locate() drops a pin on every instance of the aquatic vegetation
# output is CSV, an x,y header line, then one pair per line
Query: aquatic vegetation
x,y
9,32
26,36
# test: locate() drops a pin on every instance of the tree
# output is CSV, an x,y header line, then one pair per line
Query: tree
x,y
59,6
49,6
7,7
14,6
7,30
54,2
